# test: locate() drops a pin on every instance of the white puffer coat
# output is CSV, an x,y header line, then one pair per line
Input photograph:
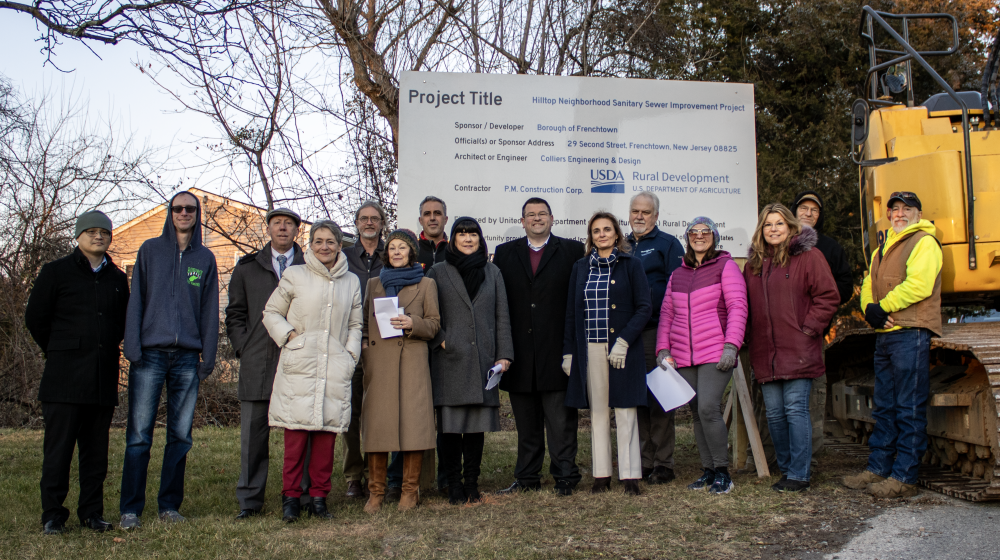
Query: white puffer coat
x,y
312,387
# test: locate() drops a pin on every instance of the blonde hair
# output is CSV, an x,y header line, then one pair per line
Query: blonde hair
x,y
761,249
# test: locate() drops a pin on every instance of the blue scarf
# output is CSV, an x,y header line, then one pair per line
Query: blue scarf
x,y
395,279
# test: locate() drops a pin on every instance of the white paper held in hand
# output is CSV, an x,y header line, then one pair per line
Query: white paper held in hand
x,y
385,309
669,387
493,376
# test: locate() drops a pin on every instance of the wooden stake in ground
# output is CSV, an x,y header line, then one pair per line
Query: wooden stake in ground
x,y
746,424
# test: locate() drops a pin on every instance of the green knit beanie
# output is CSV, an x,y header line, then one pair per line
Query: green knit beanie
x,y
92,219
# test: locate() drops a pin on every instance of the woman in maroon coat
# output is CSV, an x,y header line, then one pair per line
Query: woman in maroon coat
x,y
792,298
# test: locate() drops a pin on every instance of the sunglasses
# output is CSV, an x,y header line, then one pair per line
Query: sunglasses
x,y
179,209
699,232
902,194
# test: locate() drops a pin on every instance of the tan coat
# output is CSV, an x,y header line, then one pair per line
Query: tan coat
x,y
398,409
312,387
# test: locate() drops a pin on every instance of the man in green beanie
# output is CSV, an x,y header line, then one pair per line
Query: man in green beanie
x,y
76,314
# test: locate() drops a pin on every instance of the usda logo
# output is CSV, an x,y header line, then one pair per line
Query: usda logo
x,y
607,181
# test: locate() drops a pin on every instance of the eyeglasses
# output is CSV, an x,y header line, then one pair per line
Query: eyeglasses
x,y
699,232
532,215
97,233
179,209
369,219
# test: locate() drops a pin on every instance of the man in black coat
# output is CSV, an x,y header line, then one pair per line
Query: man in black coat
x,y
76,314
536,270
254,279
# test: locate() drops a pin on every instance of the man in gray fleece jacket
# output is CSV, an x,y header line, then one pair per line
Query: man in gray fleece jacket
x,y
173,316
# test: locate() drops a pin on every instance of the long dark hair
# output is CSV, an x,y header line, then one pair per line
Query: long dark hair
x,y
623,246
691,259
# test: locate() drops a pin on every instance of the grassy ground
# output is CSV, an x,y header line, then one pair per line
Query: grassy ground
x,y
665,522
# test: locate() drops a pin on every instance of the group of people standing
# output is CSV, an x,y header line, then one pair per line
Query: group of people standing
x,y
567,325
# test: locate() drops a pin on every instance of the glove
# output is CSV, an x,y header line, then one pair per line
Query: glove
x,y
663,358
567,363
617,355
728,359
876,316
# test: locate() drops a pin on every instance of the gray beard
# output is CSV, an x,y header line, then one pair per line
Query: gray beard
x,y
368,235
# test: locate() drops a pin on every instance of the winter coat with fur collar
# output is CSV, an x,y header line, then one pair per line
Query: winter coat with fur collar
x,y
790,307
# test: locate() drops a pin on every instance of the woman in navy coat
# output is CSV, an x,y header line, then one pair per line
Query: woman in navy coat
x,y
607,309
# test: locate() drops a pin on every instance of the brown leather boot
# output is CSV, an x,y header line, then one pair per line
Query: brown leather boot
x,y
412,462
378,464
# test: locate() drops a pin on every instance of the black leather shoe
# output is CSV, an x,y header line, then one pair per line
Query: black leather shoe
x,y
631,486
290,509
472,492
53,528
319,509
519,486
392,494
456,495
602,484
646,471
564,488
247,514
355,489
97,523
661,475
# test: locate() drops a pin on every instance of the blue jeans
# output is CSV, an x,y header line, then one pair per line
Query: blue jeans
x,y
787,405
395,476
901,386
179,371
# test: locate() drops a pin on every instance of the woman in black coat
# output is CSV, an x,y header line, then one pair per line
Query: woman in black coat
x,y
474,337
602,350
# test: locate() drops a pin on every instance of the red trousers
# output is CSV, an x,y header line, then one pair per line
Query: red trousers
x,y
320,462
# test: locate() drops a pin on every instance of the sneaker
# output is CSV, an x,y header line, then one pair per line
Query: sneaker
x,y
171,516
129,521
722,484
777,485
861,480
704,482
793,486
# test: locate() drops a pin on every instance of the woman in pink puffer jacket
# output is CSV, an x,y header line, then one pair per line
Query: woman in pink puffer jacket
x,y
702,322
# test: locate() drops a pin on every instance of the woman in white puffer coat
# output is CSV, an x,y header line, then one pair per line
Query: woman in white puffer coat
x,y
315,317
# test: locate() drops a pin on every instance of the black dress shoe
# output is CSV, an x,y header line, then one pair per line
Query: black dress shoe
x,y
247,514
290,509
602,484
646,471
564,488
53,528
519,486
456,495
631,486
661,475
319,509
97,523
355,489
392,494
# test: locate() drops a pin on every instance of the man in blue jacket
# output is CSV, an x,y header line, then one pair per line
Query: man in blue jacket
x,y
660,254
173,316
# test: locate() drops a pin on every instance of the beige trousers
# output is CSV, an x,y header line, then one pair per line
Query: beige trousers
x,y
629,448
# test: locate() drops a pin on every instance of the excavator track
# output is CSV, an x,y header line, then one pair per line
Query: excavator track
x,y
963,457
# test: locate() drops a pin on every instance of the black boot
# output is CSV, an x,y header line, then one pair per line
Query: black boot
x,y
290,509
451,457
319,509
472,460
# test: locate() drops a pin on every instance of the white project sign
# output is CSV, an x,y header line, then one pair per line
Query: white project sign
x,y
485,143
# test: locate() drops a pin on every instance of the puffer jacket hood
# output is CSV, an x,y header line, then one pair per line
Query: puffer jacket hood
x,y
312,385
798,200
703,309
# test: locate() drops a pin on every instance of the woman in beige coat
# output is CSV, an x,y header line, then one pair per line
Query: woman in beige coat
x,y
398,410
315,316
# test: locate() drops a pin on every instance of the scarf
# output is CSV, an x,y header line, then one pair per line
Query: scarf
x,y
472,268
395,279
596,261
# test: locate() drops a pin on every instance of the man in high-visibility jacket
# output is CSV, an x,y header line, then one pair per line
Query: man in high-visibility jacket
x,y
901,298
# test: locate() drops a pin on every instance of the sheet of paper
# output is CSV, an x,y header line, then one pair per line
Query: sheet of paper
x,y
385,309
493,376
669,388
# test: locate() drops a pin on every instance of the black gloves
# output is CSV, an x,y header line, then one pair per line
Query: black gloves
x,y
876,316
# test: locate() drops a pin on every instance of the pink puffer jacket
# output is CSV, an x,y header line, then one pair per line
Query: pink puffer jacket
x,y
704,308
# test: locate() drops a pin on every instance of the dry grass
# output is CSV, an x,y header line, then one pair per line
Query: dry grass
x,y
665,522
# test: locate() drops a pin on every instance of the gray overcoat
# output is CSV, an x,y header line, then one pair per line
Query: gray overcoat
x,y
476,334
251,285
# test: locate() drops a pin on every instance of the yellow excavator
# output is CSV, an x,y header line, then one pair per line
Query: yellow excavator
x,y
947,150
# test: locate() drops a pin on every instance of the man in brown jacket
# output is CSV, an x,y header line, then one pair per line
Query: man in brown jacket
x,y
901,298
254,278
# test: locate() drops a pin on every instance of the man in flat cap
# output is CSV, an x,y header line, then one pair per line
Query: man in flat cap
x,y
901,298
254,278
76,314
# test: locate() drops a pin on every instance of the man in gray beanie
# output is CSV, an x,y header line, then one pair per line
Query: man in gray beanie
x,y
76,314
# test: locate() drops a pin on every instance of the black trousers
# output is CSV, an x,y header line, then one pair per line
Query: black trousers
x,y
68,426
539,414
254,454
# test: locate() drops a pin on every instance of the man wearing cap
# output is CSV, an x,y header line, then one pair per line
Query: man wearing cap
x,y
660,254
76,314
901,298
256,275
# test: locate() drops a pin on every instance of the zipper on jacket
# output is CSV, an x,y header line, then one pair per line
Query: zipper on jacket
x,y
690,337
770,320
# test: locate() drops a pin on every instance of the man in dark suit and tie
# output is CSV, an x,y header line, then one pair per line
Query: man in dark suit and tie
x,y
536,270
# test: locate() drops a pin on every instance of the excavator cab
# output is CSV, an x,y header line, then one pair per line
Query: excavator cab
x,y
946,150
